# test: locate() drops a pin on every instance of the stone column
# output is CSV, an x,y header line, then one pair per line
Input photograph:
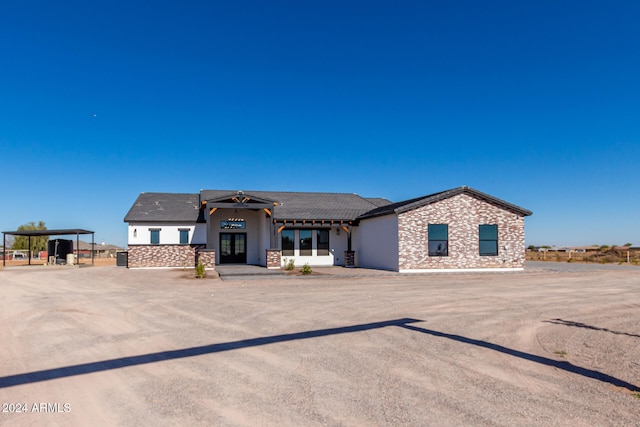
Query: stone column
x,y
349,259
273,258
208,258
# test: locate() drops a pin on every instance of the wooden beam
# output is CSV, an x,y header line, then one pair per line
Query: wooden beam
x,y
235,199
204,203
268,212
280,229
346,229
212,210
246,199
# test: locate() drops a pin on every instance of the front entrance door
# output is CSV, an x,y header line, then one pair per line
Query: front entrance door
x,y
233,248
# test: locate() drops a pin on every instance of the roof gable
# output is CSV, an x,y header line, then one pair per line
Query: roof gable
x,y
411,204
240,198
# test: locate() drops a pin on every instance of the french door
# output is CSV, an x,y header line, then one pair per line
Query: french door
x,y
233,248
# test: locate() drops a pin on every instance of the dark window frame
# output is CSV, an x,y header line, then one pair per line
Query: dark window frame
x,y
484,241
292,250
306,248
184,231
154,232
434,245
324,249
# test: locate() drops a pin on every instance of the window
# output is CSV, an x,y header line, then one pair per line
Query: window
x,y
306,243
287,242
184,236
323,242
155,236
438,235
488,240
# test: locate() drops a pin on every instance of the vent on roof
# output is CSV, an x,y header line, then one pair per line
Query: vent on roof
x,y
156,203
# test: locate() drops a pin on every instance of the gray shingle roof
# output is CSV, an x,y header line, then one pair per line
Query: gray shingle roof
x,y
378,201
307,206
407,205
165,207
184,207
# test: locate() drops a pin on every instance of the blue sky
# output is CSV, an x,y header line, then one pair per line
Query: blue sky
x,y
534,102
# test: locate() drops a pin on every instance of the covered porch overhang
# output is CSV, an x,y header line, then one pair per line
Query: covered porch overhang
x,y
244,201
344,224
239,200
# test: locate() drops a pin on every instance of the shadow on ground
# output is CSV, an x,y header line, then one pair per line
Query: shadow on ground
x,y
406,323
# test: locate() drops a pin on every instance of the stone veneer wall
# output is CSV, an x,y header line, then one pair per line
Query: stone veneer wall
x,y
463,214
207,257
274,259
162,255
349,259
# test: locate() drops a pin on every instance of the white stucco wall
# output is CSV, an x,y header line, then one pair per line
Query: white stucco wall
x,y
337,245
140,233
376,243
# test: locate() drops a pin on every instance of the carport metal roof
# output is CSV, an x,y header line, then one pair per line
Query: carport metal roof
x,y
36,233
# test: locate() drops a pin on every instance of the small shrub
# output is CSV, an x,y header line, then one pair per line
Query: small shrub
x,y
289,264
306,269
200,271
570,260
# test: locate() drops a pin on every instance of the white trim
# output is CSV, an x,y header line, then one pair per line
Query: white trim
x,y
460,270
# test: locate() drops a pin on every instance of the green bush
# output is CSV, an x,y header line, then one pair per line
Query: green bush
x,y
200,271
289,264
306,269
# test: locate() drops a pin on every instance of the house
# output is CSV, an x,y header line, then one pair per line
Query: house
x,y
461,228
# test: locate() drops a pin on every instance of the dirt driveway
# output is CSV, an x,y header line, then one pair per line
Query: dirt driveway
x,y
111,346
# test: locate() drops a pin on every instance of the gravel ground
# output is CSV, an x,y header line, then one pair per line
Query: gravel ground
x,y
111,346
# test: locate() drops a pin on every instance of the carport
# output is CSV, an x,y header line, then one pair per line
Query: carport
x,y
33,233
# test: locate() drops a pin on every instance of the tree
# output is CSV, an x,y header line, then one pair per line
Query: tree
x,y
628,244
38,243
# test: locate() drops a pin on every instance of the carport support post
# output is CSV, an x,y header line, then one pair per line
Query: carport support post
x,y
77,260
4,249
29,250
